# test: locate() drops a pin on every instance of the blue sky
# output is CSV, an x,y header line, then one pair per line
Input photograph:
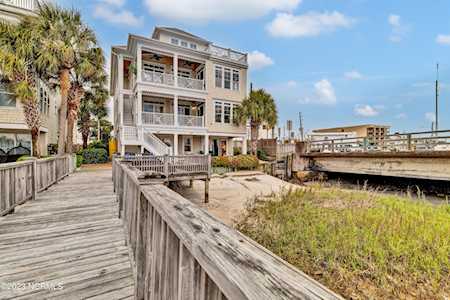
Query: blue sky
x,y
337,61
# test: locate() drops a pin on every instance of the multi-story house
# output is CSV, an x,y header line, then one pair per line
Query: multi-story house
x,y
13,129
175,93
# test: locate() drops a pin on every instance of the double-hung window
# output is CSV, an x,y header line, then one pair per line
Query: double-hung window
x,y
235,80
44,101
219,77
174,41
234,112
218,112
227,79
7,99
227,113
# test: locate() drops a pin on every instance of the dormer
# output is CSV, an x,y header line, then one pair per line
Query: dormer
x,y
180,38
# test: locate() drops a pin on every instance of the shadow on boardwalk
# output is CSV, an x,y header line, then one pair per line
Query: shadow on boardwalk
x,y
67,244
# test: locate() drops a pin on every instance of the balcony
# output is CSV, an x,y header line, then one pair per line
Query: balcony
x,y
24,4
159,78
191,83
167,119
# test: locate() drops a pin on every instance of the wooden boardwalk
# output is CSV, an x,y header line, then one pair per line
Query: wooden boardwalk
x,y
67,244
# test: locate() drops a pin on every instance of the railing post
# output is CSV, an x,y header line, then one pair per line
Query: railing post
x,y
332,146
409,142
34,180
166,166
365,144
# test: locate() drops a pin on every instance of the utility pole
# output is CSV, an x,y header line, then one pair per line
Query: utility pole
x,y
301,126
436,115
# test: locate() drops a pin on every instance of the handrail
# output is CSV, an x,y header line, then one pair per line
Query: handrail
x,y
156,144
180,251
158,77
191,121
20,181
191,83
155,118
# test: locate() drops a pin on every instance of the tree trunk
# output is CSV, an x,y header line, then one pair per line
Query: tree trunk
x,y
70,124
85,140
98,129
72,116
254,137
64,80
35,142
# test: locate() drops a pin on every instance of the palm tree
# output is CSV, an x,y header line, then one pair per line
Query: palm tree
x,y
259,107
17,65
88,74
63,40
92,104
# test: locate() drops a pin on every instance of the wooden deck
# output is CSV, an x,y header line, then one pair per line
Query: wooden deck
x,y
69,238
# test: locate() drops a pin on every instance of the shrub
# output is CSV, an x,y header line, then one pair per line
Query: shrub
x,y
221,162
237,151
79,160
238,162
97,145
262,155
94,156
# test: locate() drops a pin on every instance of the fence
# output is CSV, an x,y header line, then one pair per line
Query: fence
x,y
413,141
179,251
20,181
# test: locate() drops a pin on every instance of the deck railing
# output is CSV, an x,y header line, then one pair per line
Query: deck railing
x,y
158,77
25,4
191,83
154,118
190,121
20,181
409,142
180,251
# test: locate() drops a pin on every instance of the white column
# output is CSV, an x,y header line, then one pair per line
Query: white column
x,y
139,64
175,144
120,72
230,146
175,69
121,109
122,150
175,109
244,145
206,144
139,108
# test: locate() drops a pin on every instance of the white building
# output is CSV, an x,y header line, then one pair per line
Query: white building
x,y
175,93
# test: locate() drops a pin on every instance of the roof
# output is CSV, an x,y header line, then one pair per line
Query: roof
x,y
180,32
349,127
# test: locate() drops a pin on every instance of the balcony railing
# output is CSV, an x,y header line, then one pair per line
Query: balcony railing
x,y
191,83
227,53
157,118
191,121
24,4
156,77
167,119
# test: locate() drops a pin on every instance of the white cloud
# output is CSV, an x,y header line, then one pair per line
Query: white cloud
x,y
365,110
311,24
353,75
121,17
258,60
291,83
443,39
401,116
430,116
398,29
217,10
325,92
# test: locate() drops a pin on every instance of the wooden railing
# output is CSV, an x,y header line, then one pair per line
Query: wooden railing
x,y
20,181
25,4
179,251
154,118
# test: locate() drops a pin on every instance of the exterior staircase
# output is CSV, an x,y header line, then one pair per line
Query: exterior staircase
x,y
154,145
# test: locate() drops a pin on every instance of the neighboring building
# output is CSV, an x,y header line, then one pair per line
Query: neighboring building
x,y
189,113
373,132
13,129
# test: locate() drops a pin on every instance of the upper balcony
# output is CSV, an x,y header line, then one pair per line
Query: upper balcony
x,y
172,71
228,54
31,5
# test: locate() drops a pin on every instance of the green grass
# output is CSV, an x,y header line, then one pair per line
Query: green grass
x,y
360,244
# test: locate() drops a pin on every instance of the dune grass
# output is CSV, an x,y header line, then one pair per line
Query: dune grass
x,y
360,244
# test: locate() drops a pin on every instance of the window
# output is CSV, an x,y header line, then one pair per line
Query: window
x,y
227,113
227,79
44,101
235,80
187,144
152,107
184,110
184,73
174,41
193,46
184,44
7,98
218,76
234,112
218,112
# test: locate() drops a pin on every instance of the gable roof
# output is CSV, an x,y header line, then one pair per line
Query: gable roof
x,y
179,32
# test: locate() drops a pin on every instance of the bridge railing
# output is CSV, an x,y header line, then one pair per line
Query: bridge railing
x,y
179,251
20,181
413,141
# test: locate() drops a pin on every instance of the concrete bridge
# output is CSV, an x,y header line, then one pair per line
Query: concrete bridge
x,y
61,237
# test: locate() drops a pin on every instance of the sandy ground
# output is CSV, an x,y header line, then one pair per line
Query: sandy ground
x,y
229,193
94,167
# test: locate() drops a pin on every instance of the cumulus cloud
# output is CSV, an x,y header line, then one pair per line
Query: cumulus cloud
x,y
310,24
258,60
430,116
401,116
118,3
398,29
217,10
353,75
443,39
117,16
291,83
366,110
